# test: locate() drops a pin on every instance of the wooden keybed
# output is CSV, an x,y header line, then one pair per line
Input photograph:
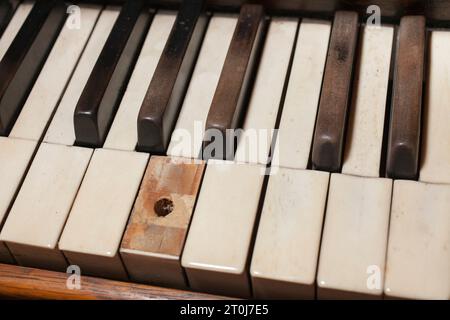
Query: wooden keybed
x,y
18,282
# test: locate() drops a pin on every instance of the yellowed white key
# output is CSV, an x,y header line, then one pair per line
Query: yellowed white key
x,y
61,129
418,257
255,142
436,132
123,132
366,126
98,218
218,243
36,219
15,154
17,20
353,250
187,137
287,245
53,77
302,96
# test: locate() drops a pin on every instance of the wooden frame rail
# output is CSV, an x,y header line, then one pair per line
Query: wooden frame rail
x,y
27,283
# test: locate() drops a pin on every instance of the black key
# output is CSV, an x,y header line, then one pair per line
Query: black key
x,y
6,12
104,89
25,57
166,91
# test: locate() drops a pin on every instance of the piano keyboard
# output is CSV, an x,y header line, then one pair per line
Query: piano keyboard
x,y
118,150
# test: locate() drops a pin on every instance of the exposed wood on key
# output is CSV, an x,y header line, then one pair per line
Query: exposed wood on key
x,y
331,121
404,132
100,98
154,238
164,96
227,105
23,60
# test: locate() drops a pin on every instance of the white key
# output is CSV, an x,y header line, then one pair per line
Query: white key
x,y
436,134
40,210
302,97
418,259
17,20
123,132
15,154
52,80
218,242
61,129
187,137
254,145
353,250
98,218
365,131
287,245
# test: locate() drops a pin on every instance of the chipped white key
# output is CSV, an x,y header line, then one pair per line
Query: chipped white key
x,y
39,213
302,97
123,132
17,20
287,245
61,129
418,259
255,142
96,223
365,136
216,250
52,80
15,154
187,137
353,250
436,134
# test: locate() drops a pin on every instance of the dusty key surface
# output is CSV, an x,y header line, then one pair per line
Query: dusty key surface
x,y
94,229
15,154
436,134
216,251
39,213
418,259
354,238
298,119
287,245
154,239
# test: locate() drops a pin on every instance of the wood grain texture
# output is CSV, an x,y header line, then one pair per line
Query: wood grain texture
x,y
166,91
28,283
107,82
331,121
227,105
406,110
25,57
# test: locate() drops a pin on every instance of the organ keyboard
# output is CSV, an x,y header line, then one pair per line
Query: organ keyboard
x,y
285,150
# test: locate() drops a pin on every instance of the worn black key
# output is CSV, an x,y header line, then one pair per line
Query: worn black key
x,y
166,91
25,57
227,106
331,120
104,89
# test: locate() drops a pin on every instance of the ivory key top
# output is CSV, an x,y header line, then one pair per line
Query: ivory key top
x,y
15,154
39,212
404,131
418,256
154,239
328,142
227,104
166,91
97,220
108,80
